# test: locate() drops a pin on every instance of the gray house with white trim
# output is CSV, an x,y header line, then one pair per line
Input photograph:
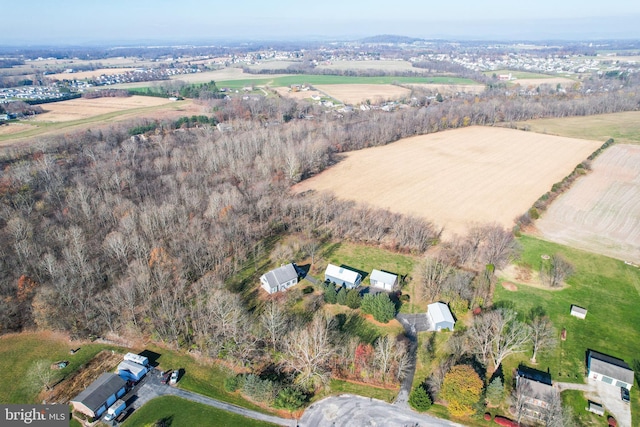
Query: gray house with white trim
x,y
279,279
342,276
609,370
383,280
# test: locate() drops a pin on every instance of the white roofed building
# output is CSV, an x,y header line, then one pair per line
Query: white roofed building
x,y
342,276
279,279
440,317
383,280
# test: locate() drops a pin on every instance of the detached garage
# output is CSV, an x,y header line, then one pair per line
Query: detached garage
x,y
101,394
440,317
383,280
609,370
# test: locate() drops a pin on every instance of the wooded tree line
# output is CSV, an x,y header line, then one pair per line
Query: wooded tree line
x,y
104,232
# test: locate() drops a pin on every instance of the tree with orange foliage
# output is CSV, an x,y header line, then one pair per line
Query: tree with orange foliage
x,y
462,389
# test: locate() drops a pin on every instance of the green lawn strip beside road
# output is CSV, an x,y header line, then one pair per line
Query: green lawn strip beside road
x,y
201,377
19,353
605,287
178,412
43,126
332,80
366,390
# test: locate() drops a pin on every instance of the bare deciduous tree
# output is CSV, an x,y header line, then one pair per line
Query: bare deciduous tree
x,y
431,275
274,321
543,336
308,350
555,270
496,335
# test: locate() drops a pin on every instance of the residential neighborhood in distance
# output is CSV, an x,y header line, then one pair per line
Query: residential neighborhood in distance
x,y
320,215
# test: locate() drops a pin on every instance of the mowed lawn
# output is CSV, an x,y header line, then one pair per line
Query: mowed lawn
x,y
177,412
622,127
455,178
610,291
19,353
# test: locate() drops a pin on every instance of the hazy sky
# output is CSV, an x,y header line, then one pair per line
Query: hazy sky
x,y
94,21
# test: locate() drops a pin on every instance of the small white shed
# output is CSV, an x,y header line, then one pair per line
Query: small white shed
x,y
578,312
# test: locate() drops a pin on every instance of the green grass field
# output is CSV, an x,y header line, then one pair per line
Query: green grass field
x,y
622,127
178,412
365,259
19,352
333,80
200,377
606,287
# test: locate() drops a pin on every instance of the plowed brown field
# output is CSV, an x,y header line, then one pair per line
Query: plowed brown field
x,y
458,177
601,211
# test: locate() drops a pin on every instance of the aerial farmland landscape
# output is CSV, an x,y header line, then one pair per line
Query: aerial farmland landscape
x,y
338,214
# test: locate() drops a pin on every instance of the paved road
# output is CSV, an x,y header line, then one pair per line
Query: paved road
x,y
150,388
357,411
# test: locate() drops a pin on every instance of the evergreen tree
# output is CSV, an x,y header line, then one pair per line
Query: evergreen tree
x,y
353,299
341,298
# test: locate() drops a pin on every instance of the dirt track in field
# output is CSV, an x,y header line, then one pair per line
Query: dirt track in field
x,y
458,177
601,211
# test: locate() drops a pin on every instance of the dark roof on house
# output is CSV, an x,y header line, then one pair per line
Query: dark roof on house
x,y
99,391
281,275
610,366
540,391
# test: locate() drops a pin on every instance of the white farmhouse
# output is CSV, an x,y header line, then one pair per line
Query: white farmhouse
x,y
342,276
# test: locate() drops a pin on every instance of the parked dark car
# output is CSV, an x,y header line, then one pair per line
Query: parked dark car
x,y
624,394
166,375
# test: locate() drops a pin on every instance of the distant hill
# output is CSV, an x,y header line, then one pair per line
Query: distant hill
x,y
390,38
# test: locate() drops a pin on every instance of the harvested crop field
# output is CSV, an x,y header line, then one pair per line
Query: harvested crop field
x,y
601,212
455,178
81,108
358,93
